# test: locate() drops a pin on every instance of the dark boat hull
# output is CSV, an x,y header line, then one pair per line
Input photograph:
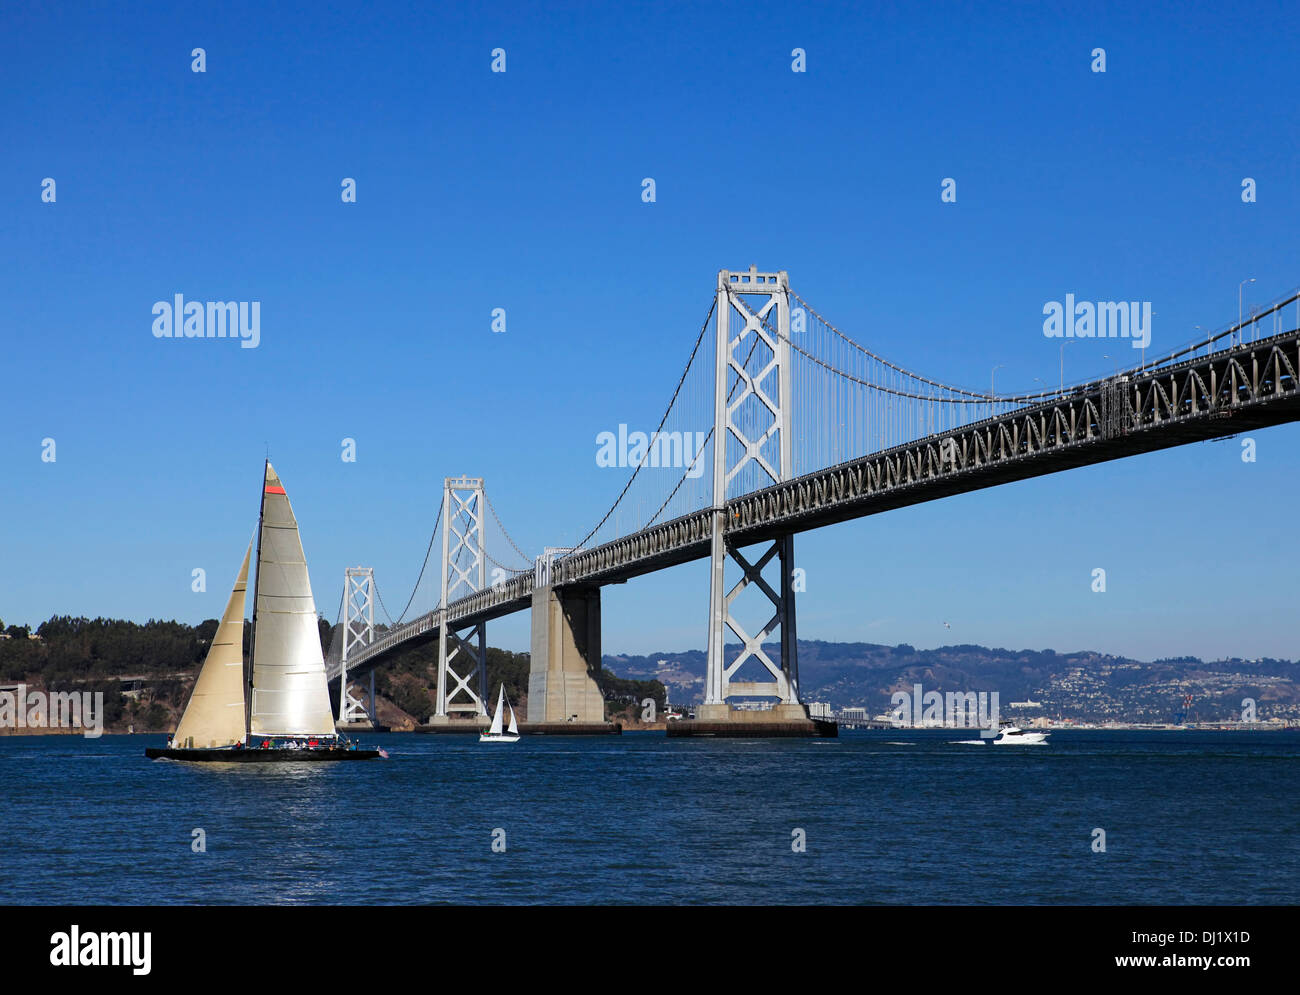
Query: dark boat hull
x,y
260,756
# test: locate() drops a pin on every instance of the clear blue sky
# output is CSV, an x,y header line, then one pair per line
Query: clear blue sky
x,y
522,190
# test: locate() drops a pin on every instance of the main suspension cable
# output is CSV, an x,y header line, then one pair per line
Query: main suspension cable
x,y
689,363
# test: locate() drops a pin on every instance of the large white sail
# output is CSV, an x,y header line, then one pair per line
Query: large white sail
x,y
214,716
290,693
496,718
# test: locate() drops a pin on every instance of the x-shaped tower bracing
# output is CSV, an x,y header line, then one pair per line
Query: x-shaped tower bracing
x,y
462,502
358,631
762,301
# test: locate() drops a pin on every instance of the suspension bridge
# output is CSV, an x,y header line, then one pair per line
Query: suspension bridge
x,y
781,423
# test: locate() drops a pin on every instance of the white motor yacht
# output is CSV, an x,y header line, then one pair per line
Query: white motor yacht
x,y
1015,736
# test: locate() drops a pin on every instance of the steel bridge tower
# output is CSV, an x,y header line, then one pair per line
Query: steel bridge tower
x,y
358,630
762,302
462,502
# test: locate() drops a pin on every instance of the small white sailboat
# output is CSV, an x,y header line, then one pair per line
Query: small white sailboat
x,y
494,733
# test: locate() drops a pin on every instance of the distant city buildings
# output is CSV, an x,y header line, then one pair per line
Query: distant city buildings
x,y
1093,689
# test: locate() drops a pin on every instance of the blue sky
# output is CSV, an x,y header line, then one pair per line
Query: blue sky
x,y
522,190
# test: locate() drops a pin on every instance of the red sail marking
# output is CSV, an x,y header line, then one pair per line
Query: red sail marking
x,y
272,489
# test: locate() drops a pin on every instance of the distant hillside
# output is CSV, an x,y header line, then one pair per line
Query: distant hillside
x,y
1082,685
147,671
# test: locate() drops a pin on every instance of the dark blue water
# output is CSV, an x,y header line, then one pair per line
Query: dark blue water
x,y
1189,818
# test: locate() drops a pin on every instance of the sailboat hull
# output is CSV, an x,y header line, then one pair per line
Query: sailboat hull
x,y
260,756
502,737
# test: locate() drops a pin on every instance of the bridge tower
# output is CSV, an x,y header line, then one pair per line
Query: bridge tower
x,y
358,630
462,502
761,304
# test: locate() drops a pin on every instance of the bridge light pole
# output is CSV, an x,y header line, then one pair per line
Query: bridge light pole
x,y
994,370
1063,345
1143,367
1240,287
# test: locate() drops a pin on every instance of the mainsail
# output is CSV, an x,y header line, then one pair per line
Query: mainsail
x,y
214,716
290,695
496,718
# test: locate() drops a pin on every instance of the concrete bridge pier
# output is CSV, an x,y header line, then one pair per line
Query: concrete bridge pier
x,y
563,698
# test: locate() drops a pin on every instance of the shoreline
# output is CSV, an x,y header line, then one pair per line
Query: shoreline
x,y
661,727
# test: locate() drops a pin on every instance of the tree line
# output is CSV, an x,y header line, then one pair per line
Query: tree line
x,y
162,660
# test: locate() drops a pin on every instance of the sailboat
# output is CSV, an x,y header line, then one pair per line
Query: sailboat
x,y
278,707
494,734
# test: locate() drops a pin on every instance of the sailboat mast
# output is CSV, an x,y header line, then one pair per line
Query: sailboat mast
x,y
252,638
